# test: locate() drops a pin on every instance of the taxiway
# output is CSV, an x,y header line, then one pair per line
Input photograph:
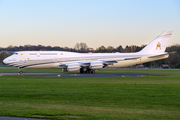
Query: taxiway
x,y
86,75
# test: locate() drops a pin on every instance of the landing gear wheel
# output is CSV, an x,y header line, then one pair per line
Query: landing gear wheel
x,y
92,71
81,71
20,71
89,71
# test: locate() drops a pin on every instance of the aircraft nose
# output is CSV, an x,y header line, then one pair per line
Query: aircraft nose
x,y
5,61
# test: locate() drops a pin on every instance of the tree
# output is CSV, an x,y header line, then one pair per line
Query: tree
x,y
81,47
119,49
3,55
110,49
101,49
77,47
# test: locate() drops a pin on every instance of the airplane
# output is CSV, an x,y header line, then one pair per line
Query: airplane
x,y
89,62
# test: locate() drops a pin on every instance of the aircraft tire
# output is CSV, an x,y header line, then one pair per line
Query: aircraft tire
x,y
20,72
89,71
92,71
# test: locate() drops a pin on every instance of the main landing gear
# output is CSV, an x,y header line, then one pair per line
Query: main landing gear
x,y
20,71
82,70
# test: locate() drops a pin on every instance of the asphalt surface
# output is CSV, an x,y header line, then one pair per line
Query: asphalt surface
x,y
86,75
18,118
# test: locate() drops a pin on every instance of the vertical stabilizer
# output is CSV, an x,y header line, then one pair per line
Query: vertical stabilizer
x,y
158,45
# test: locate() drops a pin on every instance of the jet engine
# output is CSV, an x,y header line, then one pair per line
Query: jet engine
x,y
72,67
96,65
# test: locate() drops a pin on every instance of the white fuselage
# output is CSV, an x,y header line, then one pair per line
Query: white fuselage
x,y
52,59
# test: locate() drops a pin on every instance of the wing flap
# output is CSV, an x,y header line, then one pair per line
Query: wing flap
x,y
122,59
132,58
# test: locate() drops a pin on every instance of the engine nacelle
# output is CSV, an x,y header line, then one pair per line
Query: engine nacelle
x,y
96,65
72,67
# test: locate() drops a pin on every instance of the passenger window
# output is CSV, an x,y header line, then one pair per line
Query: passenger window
x,y
15,53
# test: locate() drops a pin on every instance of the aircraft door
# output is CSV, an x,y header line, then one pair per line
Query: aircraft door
x,y
38,54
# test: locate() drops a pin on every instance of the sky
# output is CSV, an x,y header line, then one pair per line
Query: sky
x,y
94,22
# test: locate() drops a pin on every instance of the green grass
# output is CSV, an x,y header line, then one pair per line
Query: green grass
x,y
134,98
15,70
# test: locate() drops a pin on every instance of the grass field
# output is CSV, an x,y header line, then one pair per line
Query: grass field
x,y
68,98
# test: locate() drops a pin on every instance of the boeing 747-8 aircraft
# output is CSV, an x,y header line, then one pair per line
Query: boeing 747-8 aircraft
x,y
89,62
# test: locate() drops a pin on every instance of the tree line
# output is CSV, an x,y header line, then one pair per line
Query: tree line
x,y
173,61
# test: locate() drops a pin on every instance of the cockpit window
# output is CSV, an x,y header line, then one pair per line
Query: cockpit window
x,y
15,53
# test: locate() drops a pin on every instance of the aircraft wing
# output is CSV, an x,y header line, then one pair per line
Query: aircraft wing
x,y
97,64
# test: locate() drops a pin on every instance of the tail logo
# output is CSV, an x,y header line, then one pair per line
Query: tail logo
x,y
158,46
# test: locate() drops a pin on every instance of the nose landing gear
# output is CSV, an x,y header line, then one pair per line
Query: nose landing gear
x,y
20,71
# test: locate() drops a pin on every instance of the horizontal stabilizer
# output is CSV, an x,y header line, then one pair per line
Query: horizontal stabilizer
x,y
162,54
